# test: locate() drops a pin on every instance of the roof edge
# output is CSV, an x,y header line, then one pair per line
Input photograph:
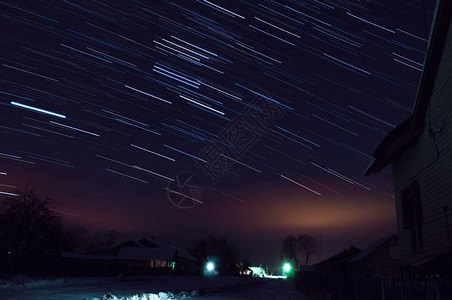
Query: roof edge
x,y
407,132
432,60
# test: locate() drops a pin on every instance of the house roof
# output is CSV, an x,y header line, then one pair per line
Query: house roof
x,y
86,256
343,256
407,132
134,253
153,243
149,244
136,250
185,255
162,253
114,249
366,252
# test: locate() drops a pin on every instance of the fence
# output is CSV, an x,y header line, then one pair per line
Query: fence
x,y
375,288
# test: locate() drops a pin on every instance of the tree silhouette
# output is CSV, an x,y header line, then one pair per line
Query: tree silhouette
x,y
223,253
289,250
27,222
111,237
307,245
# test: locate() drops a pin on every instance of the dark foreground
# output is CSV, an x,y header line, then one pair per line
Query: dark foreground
x,y
208,288
265,290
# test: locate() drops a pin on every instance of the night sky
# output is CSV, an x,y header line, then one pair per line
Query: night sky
x,y
177,119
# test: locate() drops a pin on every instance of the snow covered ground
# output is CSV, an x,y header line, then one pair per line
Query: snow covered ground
x,y
265,290
145,288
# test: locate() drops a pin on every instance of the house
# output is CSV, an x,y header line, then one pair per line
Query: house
x,y
419,150
163,257
81,264
115,248
258,271
142,256
381,258
336,265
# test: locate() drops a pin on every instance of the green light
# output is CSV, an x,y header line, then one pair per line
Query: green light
x,y
210,266
287,267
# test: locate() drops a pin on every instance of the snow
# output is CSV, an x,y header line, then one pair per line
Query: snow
x,y
26,282
148,287
151,296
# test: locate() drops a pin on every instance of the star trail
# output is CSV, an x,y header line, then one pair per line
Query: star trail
x,y
111,100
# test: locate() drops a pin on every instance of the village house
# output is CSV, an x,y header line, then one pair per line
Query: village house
x,y
132,257
419,150
336,265
379,259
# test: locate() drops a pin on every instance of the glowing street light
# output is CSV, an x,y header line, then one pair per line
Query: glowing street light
x,y
287,267
210,266
287,270
209,269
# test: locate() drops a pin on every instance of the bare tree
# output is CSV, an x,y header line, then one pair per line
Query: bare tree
x,y
94,244
26,222
307,245
289,250
111,237
219,249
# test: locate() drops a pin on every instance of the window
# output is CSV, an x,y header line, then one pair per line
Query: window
x,y
412,215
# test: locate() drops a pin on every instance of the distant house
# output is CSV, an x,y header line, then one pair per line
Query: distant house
x,y
166,257
336,265
381,258
258,271
244,270
143,256
420,151
115,248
